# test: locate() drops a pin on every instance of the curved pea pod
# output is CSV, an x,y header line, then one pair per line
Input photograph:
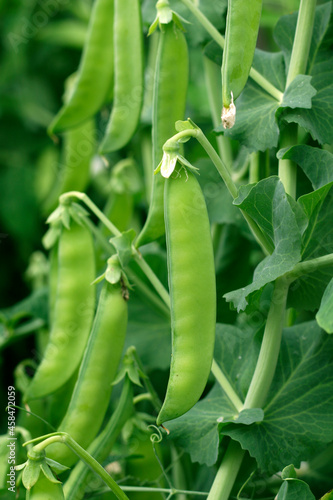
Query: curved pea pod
x,y
243,18
169,101
74,172
73,312
128,77
45,490
192,293
102,445
95,71
93,388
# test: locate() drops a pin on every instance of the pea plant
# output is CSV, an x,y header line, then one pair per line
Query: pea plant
x,y
176,339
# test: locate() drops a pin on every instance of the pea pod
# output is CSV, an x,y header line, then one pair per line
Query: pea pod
x,y
192,294
169,100
45,490
101,447
243,18
92,391
128,78
73,313
95,71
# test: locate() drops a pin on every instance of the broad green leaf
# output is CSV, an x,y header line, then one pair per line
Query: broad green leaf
x,y
317,240
256,125
316,163
316,120
324,316
299,413
289,472
197,432
295,489
299,94
267,203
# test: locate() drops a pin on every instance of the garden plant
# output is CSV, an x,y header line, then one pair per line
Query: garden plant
x,y
167,250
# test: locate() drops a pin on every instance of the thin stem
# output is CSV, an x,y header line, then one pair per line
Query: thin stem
x,y
148,385
65,198
297,66
270,347
302,40
172,491
141,285
145,396
260,237
254,174
226,386
227,472
288,168
209,27
163,293
219,39
95,466
213,86
309,266
90,204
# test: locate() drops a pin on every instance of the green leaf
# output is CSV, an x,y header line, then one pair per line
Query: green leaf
x,y
289,472
31,473
123,245
317,120
295,489
56,466
298,415
299,94
267,203
48,472
324,316
317,164
284,32
317,240
197,432
247,417
256,126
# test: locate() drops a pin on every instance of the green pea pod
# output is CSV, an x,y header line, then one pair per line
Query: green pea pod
x,y
92,391
101,447
45,490
73,313
192,294
128,84
95,71
169,101
243,18
74,171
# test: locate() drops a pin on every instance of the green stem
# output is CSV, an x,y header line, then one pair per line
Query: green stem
x,y
163,293
219,39
288,168
226,386
254,174
260,237
227,472
148,385
302,40
297,66
65,198
172,491
270,347
213,86
145,396
309,266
